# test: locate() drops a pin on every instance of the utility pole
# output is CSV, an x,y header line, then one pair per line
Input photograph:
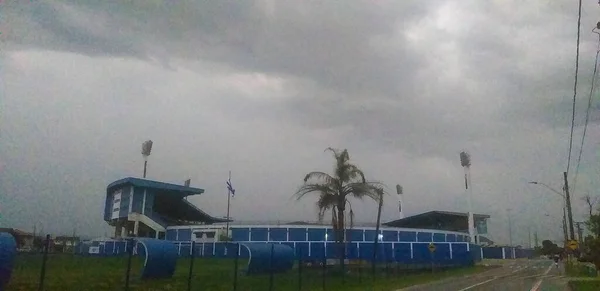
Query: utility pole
x,y
569,211
535,239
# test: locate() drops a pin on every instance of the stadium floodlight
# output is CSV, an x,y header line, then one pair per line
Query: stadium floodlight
x,y
146,149
465,162
400,191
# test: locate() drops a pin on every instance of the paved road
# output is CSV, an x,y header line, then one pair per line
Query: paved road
x,y
513,275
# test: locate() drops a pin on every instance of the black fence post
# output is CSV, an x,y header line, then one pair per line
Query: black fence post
x,y
235,267
271,268
360,266
300,263
192,254
432,262
324,266
44,260
129,250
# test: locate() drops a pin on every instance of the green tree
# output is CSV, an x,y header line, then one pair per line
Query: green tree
x,y
592,243
334,190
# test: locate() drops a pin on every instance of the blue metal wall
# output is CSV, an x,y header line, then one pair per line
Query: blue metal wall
x,y
401,252
321,233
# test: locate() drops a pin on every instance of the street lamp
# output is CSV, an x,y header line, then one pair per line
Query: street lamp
x,y
564,205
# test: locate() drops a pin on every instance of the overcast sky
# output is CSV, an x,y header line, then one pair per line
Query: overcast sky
x,y
262,87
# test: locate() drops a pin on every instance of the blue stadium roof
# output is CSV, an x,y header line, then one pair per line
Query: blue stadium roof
x,y
164,187
172,204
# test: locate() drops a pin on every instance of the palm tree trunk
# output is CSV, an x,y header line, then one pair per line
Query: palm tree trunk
x,y
340,237
376,241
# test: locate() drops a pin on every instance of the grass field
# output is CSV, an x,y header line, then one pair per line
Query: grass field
x,y
76,273
585,285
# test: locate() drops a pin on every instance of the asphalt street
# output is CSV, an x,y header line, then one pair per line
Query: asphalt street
x,y
513,275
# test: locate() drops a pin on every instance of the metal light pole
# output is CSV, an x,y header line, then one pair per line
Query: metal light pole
x,y
509,227
465,162
146,149
400,201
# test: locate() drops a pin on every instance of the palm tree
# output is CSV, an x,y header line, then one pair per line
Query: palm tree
x,y
334,190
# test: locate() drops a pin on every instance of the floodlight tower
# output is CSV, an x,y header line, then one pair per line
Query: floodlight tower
x,y
465,162
399,191
146,149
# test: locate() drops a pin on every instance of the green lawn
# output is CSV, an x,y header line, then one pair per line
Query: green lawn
x,y
585,285
76,273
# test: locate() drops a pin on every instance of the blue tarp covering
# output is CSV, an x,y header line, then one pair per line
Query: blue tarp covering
x,y
266,258
8,251
161,258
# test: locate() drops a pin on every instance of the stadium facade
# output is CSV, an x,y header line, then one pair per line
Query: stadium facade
x,y
144,208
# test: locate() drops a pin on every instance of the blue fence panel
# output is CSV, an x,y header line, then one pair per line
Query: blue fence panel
x,y
390,236
356,235
109,247
209,249
442,253
421,254
303,248
184,234
439,237
366,250
402,252
316,234
240,234
119,247
492,253
369,235
230,250
259,234
330,234
352,251
388,252
424,237
171,234
220,250
476,252
459,250
317,250
184,251
450,237
278,234
331,249
508,254
297,234
407,236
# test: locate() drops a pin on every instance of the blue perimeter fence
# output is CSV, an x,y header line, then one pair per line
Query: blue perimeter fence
x,y
450,254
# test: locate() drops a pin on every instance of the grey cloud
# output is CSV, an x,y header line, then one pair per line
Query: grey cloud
x,y
403,92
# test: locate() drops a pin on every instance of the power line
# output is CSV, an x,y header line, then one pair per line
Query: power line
x,y
587,112
575,87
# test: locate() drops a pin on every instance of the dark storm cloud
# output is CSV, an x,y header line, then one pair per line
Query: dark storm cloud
x,y
334,45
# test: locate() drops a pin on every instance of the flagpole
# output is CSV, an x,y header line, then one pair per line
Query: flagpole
x,y
228,204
